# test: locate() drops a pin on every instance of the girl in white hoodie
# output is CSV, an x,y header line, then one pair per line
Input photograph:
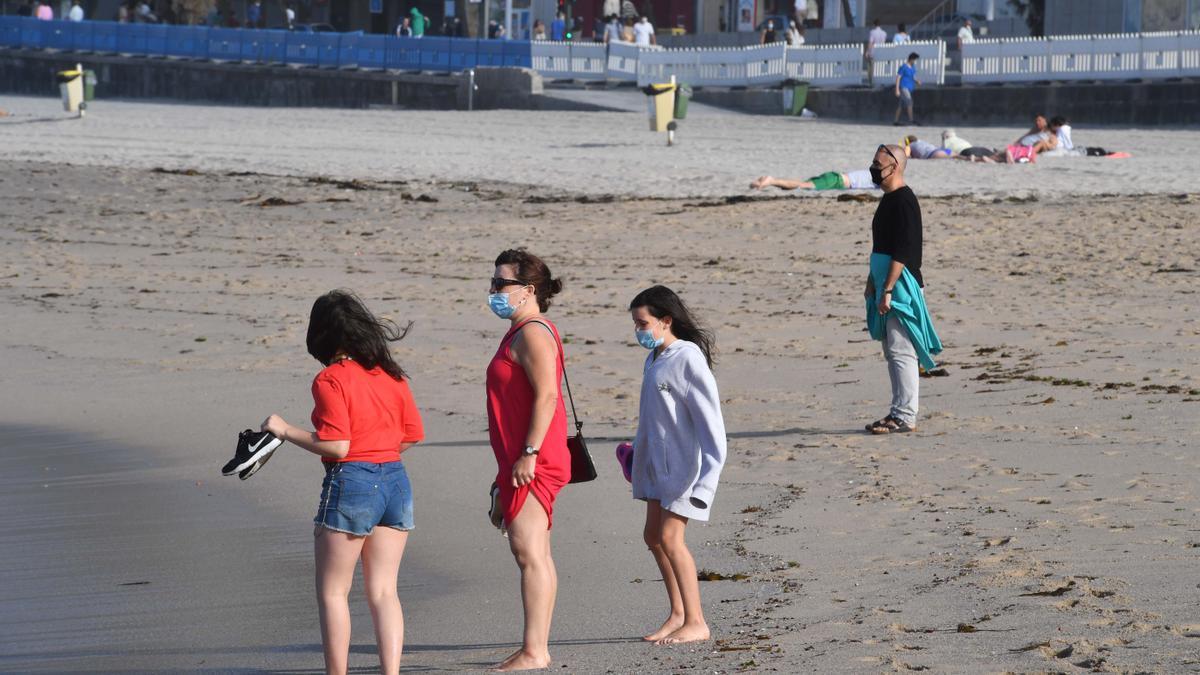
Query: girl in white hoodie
x,y
679,449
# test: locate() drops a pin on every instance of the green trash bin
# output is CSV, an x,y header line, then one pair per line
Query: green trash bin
x,y
795,95
89,85
683,94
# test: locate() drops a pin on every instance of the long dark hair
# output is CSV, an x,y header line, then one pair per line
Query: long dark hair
x,y
532,271
340,322
661,302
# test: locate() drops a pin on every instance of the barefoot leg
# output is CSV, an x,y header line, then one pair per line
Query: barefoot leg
x,y
529,539
653,537
381,565
694,627
336,556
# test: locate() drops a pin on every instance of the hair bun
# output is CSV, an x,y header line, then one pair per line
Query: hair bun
x,y
553,287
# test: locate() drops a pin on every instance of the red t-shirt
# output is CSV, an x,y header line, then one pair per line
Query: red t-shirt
x,y
369,408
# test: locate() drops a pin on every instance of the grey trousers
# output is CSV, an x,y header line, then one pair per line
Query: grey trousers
x,y
902,369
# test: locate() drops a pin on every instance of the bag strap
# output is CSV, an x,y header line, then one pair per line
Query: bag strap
x,y
561,359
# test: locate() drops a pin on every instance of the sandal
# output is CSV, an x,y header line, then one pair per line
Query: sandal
x,y
878,424
892,425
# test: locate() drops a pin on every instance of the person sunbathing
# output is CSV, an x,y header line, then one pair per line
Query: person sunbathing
x,y
915,148
830,180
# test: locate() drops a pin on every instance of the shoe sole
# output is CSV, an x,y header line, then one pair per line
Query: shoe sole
x,y
265,449
256,466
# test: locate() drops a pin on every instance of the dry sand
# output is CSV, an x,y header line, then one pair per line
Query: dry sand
x,y
577,153
1044,518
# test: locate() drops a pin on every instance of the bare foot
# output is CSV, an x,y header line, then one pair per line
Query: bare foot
x,y
522,660
672,624
760,183
686,633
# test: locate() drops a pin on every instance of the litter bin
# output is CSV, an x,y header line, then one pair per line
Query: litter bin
x,y
661,101
89,85
683,94
795,95
70,83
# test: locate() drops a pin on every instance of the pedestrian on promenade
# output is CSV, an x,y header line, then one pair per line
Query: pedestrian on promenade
x,y
612,30
527,425
679,449
364,417
627,31
419,23
901,35
643,33
906,81
877,36
254,14
795,35
43,11
800,11
558,27
965,34
768,35
895,301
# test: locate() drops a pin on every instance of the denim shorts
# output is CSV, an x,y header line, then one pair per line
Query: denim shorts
x,y
357,496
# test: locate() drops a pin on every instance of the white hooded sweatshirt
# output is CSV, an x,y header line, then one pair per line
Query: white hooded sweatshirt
x,y
679,449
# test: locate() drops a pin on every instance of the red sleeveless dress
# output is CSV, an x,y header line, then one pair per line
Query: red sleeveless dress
x,y
510,409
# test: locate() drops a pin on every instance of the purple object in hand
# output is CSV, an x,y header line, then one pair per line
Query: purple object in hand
x,y
625,459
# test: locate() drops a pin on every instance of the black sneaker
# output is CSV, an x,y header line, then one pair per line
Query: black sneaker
x,y
246,473
252,446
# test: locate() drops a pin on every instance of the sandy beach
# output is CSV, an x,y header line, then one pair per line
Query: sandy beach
x,y
157,265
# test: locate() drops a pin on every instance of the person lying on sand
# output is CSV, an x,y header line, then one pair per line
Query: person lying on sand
x,y
915,148
961,148
1067,148
830,180
1041,137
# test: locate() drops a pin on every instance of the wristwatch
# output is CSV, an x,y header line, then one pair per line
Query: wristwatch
x,y
887,290
529,450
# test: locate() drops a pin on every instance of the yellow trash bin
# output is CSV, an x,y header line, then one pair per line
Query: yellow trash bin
x,y
70,83
661,101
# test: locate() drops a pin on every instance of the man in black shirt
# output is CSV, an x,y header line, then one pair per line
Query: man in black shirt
x,y
896,232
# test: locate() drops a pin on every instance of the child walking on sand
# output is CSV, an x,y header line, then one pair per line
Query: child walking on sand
x,y
679,449
365,417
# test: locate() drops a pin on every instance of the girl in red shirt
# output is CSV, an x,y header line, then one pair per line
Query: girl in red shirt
x,y
364,416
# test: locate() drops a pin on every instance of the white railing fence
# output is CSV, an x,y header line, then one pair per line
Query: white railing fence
x,y
623,58
569,60
747,66
1083,57
832,66
1073,57
931,66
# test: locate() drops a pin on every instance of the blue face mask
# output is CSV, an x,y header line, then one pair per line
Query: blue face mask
x,y
646,339
500,306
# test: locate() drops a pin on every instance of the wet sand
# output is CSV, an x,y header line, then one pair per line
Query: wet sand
x,y
1044,518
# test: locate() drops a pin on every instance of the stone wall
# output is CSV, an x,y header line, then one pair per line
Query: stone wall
x,y
32,72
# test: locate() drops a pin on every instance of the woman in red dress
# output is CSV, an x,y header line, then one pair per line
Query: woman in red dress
x,y
528,427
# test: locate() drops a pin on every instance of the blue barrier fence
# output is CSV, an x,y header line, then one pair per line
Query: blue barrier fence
x,y
281,47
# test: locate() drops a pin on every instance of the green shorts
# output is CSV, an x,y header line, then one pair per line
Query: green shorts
x,y
830,180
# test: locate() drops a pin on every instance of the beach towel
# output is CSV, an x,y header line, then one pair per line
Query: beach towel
x,y
908,305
